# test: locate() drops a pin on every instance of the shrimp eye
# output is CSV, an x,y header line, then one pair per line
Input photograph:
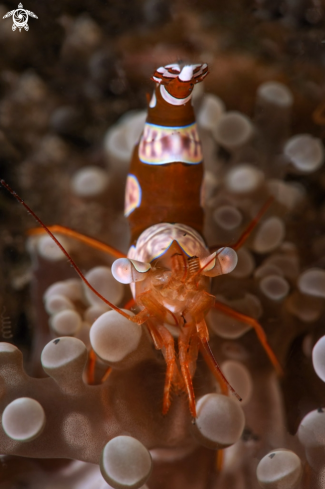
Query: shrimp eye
x,y
127,271
220,262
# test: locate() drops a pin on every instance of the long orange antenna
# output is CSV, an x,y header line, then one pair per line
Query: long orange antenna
x,y
258,329
77,269
94,243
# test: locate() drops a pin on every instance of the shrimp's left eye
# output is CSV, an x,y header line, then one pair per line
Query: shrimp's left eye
x,y
127,271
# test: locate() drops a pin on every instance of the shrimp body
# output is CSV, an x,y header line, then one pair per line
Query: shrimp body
x,y
168,264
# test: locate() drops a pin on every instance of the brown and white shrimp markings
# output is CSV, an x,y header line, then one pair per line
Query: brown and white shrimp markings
x,y
169,266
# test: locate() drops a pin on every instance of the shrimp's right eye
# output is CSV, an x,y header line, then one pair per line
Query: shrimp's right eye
x,y
220,262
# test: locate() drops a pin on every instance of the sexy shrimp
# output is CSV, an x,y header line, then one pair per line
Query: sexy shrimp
x,y
169,266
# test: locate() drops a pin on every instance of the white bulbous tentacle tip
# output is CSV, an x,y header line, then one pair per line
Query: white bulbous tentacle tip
x,y
186,74
7,347
318,356
23,419
89,181
280,468
125,463
220,421
114,337
127,271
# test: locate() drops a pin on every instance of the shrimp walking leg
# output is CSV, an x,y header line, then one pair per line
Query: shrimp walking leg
x,y
91,367
203,334
184,360
258,329
106,375
214,369
168,350
193,352
93,243
131,303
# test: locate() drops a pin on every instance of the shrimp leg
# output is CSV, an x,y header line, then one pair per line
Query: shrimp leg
x,y
258,329
205,349
93,243
185,360
168,350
